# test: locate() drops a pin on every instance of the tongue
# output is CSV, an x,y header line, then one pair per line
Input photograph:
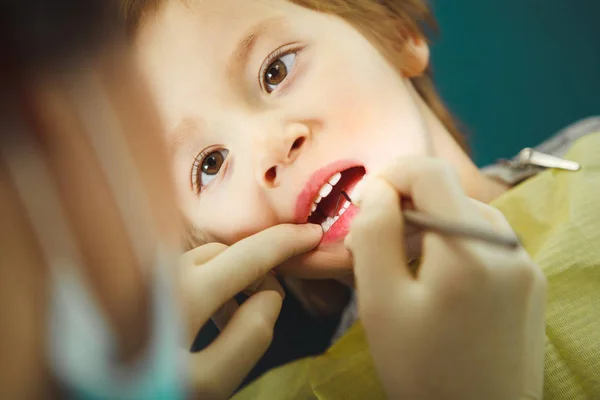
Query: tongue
x,y
326,206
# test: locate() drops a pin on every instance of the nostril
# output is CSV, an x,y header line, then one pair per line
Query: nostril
x,y
298,143
271,174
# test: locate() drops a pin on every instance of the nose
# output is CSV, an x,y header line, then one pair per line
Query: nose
x,y
279,152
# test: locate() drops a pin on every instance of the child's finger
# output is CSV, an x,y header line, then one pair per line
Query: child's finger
x,y
377,243
243,263
223,365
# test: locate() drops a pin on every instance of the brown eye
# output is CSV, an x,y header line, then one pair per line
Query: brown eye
x,y
212,163
207,167
277,71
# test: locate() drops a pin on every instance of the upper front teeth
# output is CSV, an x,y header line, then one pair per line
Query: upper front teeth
x,y
325,191
327,188
335,179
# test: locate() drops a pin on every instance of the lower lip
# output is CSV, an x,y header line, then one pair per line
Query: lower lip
x,y
341,227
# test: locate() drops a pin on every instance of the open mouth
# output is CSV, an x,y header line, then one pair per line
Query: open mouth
x,y
329,204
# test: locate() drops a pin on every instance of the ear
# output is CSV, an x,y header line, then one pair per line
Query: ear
x,y
415,56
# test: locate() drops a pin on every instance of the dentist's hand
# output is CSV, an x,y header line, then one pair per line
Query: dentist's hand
x,y
211,276
469,324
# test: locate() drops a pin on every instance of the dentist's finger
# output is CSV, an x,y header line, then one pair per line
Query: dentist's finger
x,y
435,189
196,258
267,282
377,244
189,263
224,314
494,216
222,366
243,263
202,254
432,185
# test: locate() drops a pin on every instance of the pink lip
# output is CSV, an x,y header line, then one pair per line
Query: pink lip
x,y
314,184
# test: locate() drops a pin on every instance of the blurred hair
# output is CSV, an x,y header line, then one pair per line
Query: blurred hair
x,y
42,34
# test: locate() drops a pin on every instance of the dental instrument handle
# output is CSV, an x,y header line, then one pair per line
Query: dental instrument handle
x,y
452,228
460,229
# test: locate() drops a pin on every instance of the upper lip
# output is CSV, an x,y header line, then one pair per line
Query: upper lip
x,y
316,182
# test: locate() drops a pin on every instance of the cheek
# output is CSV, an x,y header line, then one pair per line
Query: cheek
x,y
401,134
228,216
376,124
221,213
366,99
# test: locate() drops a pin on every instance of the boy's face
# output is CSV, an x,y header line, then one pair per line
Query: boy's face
x,y
264,102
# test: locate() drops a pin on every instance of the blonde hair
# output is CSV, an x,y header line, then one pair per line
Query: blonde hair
x,y
386,23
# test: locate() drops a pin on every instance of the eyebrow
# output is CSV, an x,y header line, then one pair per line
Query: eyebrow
x,y
236,63
243,50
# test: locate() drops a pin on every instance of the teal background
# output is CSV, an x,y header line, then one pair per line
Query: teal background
x,y
516,71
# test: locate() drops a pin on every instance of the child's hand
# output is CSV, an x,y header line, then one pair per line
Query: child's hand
x,y
470,323
212,275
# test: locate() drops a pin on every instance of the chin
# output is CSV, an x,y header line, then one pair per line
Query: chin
x,y
328,261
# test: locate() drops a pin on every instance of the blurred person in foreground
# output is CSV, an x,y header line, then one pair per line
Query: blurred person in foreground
x,y
90,234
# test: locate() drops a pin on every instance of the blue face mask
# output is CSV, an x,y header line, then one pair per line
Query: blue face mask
x,y
83,350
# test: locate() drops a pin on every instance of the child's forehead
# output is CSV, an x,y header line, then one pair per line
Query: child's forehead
x,y
196,44
226,16
214,30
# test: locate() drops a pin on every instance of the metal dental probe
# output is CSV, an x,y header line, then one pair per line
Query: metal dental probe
x,y
450,228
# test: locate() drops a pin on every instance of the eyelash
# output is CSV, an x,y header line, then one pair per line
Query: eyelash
x,y
280,52
199,159
196,165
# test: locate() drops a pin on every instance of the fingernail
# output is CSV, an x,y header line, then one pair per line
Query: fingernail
x,y
356,194
316,227
348,241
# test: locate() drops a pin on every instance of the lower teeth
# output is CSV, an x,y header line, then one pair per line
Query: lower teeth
x,y
328,223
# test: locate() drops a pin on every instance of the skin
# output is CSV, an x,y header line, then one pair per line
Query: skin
x,y
115,265
214,273
470,323
340,98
